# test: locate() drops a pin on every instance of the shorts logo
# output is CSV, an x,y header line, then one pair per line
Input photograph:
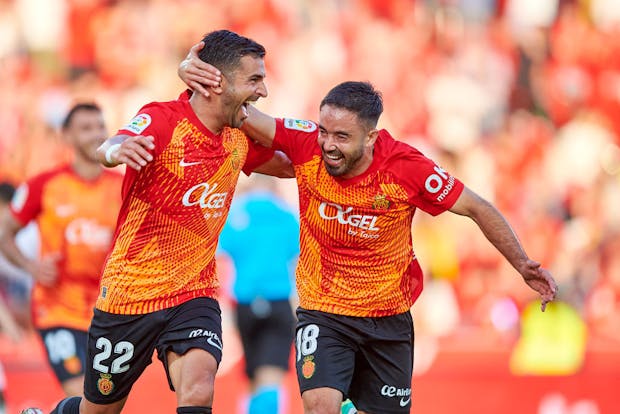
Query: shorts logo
x,y
308,367
212,338
381,202
138,124
105,384
299,125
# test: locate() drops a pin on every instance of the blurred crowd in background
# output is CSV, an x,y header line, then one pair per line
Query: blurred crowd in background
x,y
520,99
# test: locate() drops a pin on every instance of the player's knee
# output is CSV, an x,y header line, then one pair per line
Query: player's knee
x,y
196,393
316,403
264,401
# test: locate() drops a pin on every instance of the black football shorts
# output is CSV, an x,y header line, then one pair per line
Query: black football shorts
x,y
66,351
370,360
120,347
266,330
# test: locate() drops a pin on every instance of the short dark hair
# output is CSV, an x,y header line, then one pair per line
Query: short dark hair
x,y
6,192
83,106
361,98
224,49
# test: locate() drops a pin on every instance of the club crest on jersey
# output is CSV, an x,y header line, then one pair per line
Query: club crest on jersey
x,y
105,384
235,159
308,367
381,202
138,124
299,125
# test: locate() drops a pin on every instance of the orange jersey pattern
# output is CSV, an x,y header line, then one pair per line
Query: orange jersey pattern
x,y
356,255
173,211
76,220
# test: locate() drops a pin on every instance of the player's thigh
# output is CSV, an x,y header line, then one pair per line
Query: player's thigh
x,y
66,351
324,353
193,325
120,347
382,378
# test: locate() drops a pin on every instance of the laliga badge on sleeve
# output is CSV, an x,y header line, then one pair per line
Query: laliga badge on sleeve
x,y
299,125
138,124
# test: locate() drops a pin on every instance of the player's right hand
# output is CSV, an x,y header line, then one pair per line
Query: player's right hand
x,y
198,75
45,271
134,151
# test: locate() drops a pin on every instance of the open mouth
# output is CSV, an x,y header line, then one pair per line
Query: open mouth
x,y
333,159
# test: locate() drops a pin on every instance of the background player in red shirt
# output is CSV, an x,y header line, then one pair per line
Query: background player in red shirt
x,y
357,275
75,207
159,283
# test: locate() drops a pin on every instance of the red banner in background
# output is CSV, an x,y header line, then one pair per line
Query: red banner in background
x,y
457,382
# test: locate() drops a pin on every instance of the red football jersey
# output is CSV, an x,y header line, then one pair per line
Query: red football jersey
x,y
356,249
173,211
76,218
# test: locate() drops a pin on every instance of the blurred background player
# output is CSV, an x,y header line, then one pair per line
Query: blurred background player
x,y
75,206
263,286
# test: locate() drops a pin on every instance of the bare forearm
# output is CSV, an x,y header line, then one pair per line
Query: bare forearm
x,y
260,127
498,231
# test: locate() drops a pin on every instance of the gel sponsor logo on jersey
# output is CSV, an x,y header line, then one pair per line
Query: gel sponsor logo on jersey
x,y
332,211
439,181
212,338
89,232
204,195
299,125
404,394
138,124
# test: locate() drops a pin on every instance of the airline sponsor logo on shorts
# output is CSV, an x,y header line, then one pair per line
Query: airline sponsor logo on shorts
x,y
212,338
404,394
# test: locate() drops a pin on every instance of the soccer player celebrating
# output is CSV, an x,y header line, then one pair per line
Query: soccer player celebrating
x,y
357,275
75,207
159,283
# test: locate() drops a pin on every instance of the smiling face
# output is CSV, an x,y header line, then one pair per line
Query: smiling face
x,y
346,142
246,84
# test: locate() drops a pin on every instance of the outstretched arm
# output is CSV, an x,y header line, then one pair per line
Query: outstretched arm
x,y
126,149
196,73
500,234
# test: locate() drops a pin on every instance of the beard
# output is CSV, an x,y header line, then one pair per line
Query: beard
x,y
347,164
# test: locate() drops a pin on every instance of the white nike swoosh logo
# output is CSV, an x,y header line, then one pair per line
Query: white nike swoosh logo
x,y
214,343
404,402
184,163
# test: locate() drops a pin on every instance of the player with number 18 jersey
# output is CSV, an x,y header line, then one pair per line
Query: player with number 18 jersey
x,y
356,246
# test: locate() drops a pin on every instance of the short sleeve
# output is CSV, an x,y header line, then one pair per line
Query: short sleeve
x,y
26,202
151,119
430,187
257,156
296,138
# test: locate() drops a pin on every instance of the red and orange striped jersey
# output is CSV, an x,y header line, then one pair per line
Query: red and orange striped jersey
x,y
173,211
356,254
76,218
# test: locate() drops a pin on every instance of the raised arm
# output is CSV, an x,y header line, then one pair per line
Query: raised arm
x,y
126,149
499,232
196,74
